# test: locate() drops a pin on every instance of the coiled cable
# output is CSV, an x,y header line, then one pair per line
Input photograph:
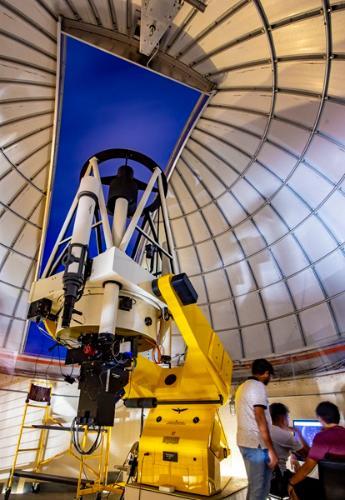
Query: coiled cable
x,y
75,428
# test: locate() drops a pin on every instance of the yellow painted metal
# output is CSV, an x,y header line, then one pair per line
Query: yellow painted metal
x,y
183,442
97,480
50,326
205,350
185,439
42,440
98,474
16,453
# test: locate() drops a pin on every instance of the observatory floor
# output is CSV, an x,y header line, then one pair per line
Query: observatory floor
x,y
235,489
58,496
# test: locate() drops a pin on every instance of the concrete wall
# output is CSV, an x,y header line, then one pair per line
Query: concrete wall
x,y
301,395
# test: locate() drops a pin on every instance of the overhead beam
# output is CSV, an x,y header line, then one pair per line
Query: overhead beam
x,y
128,48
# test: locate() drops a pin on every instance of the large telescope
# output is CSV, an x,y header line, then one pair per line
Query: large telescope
x,y
107,310
112,314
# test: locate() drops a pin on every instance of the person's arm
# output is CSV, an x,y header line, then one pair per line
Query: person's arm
x,y
260,417
304,450
301,474
317,452
303,471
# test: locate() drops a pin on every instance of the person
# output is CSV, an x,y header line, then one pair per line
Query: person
x,y
253,430
284,443
328,443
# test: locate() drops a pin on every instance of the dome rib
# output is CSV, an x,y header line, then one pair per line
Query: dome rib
x,y
259,186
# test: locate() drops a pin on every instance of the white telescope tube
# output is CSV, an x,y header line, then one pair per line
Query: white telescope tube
x,y
119,220
84,216
110,305
76,257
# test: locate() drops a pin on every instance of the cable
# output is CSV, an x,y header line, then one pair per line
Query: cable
x,y
134,364
39,356
58,343
76,443
132,450
64,343
49,365
62,373
116,482
154,53
156,349
142,416
179,357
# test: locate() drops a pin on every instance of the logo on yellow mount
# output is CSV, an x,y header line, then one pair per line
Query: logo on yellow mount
x,y
179,410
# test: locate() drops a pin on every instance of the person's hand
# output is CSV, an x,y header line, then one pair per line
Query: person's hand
x,y
294,463
292,493
273,459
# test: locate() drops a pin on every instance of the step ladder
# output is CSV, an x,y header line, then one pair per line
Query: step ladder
x,y
39,397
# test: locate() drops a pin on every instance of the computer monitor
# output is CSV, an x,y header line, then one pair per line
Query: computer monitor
x,y
308,429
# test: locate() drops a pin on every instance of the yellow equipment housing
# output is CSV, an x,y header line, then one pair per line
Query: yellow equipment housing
x,y
183,442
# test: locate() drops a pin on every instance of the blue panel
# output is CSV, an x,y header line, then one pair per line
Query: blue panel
x,y
108,103
39,344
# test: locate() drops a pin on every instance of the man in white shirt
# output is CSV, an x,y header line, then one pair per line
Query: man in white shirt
x,y
253,430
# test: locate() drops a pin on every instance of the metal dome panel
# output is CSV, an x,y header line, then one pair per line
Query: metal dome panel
x,y
257,193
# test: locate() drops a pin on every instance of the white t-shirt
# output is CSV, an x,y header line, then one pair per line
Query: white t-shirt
x,y
284,442
249,394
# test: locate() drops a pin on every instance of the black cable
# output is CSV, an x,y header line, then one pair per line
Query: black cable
x,y
76,443
62,373
141,421
49,365
118,475
40,354
115,482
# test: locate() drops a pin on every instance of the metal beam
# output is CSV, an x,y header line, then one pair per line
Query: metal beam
x,y
226,46
196,251
286,277
28,20
198,4
128,48
112,13
28,64
16,169
19,100
266,243
26,43
11,81
178,32
95,12
217,22
47,9
24,136
18,119
286,315
72,8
